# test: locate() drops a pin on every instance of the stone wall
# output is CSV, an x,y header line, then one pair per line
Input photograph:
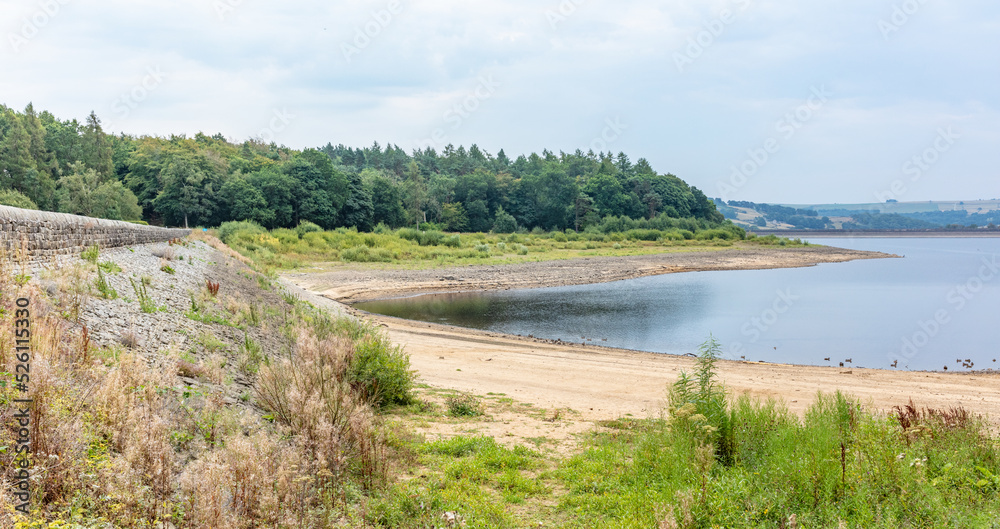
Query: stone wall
x,y
44,234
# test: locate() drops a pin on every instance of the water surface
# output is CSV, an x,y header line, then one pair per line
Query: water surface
x,y
939,304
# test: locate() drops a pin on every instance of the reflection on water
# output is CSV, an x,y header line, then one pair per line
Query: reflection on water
x,y
864,313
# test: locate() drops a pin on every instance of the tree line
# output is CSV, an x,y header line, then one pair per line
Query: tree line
x,y
73,167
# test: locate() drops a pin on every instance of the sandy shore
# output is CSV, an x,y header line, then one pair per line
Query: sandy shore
x,y
602,383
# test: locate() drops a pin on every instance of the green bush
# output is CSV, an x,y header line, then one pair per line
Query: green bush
x,y
430,238
16,199
380,370
305,227
409,234
454,241
364,254
227,230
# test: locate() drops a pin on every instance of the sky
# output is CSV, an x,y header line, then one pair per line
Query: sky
x,y
785,102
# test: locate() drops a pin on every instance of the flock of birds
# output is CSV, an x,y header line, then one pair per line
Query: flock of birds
x,y
966,363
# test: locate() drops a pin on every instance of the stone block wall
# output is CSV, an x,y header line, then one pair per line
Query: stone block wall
x,y
45,234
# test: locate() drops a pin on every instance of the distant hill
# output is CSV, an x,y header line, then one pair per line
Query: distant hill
x,y
865,216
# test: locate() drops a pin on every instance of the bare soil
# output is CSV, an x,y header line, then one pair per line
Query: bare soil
x,y
355,283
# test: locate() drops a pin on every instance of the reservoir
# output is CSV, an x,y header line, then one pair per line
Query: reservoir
x,y
937,307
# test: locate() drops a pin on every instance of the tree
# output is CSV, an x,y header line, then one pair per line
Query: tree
x,y
387,204
245,202
96,147
504,222
453,217
187,193
75,193
16,199
319,191
83,193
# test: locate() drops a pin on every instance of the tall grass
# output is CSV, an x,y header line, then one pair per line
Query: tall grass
x,y
118,439
752,463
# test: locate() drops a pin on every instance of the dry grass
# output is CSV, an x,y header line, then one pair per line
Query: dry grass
x,y
119,437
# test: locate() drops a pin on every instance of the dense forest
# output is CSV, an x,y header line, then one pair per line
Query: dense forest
x,y
73,167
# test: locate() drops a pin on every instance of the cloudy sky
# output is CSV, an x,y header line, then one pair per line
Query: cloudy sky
x,y
792,102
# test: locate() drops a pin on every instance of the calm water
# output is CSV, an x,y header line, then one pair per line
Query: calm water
x,y
938,304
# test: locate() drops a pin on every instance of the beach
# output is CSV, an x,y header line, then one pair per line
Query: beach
x,y
604,383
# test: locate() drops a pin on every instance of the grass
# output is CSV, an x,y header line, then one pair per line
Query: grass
x,y
710,460
119,440
718,462
411,248
146,302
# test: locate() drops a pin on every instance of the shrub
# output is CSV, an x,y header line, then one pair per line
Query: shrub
x,y
708,235
380,371
90,254
698,405
464,405
305,227
454,241
408,234
364,254
229,229
309,393
431,238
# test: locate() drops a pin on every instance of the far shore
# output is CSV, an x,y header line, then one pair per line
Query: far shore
x,y
879,234
600,382
356,283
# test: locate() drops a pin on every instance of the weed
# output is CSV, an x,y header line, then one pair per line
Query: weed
x,y
213,288
464,405
250,357
129,339
106,291
109,266
90,254
167,268
146,303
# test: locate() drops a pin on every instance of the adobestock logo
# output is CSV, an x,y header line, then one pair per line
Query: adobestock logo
x,y
787,127
32,24
364,35
920,163
709,34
